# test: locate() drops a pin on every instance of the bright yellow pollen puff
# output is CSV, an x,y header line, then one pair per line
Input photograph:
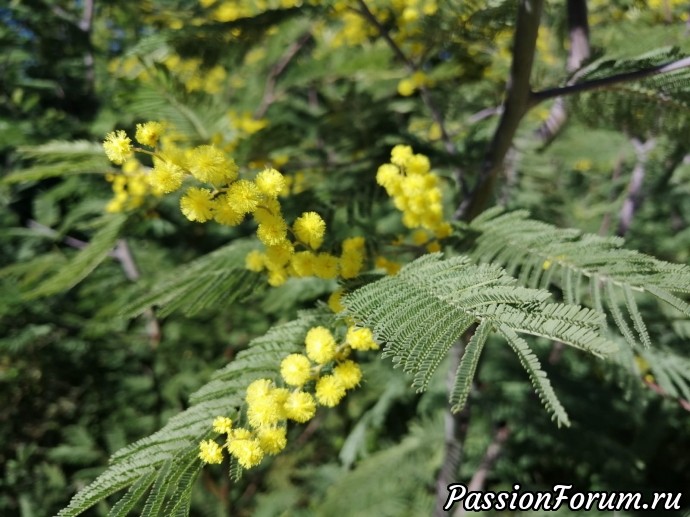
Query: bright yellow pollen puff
x,y
400,154
334,302
321,346
300,406
254,261
387,176
149,133
239,433
225,213
117,146
197,204
295,370
244,196
264,411
278,255
352,258
348,373
165,177
258,390
210,165
270,182
272,231
329,391
406,87
361,339
222,424
326,266
390,267
277,277
415,191
267,210
248,452
310,229
272,439
418,164
303,263
210,452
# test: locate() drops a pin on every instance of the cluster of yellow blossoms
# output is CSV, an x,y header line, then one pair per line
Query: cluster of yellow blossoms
x,y
320,376
323,374
406,16
290,250
415,190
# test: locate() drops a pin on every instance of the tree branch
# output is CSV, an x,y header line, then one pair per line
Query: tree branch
x,y
634,196
275,72
456,426
493,451
436,114
579,52
595,84
515,106
123,255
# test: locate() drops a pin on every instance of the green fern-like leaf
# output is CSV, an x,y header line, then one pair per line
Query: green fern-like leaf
x,y
214,279
408,466
568,259
656,104
424,309
60,159
84,262
468,366
166,464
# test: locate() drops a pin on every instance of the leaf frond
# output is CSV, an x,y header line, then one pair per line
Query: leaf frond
x,y
423,310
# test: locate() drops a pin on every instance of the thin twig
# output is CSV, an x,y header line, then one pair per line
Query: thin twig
x,y
595,84
634,195
276,70
435,112
456,426
123,255
579,52
661,391
493,451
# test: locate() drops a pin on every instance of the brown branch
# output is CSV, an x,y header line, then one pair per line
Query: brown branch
x,y
604,82
515,106
579,52
123,255
493,451
276,70
456,426
662,392
634,195
86,25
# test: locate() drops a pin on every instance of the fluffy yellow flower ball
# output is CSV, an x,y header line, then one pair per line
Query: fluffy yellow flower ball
x,y
117,146
295,369
310,229
210,452
320,344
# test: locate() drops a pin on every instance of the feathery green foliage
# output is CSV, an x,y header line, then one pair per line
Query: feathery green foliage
x,y
658,104
214,280
85,261
173,450
540,254
401,470
59,158
422,311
